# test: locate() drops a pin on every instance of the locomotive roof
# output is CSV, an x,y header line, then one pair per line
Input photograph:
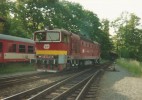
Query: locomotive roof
x,y
61,30
67,32
14,38
88,40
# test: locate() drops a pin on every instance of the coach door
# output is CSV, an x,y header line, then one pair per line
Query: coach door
x,y
1,51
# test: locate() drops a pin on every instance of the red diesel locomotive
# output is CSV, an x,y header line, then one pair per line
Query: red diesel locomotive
x,y
16,49
59,49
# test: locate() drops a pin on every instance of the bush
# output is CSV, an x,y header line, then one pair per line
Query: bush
x,y
16,67
132,66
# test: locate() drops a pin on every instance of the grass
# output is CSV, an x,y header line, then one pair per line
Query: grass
x,y
103,61
132,66
15,68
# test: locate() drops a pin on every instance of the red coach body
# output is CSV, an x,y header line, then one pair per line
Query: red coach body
x,y
15,49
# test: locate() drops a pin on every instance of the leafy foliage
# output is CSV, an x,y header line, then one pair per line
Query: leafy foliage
x,y
105,39
129,36
26,16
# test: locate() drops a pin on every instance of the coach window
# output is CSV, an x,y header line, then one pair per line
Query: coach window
x,y
0,47
30,49
22,48
12,48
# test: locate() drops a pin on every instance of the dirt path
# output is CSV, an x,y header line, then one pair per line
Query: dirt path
x,y
120,85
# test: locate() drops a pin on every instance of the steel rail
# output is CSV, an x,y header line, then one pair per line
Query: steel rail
x,y
83,91
66,93
34,91
50,89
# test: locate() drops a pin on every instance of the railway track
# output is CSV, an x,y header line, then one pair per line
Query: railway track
x,y
36,92
21,79
70,88
77,90
89,91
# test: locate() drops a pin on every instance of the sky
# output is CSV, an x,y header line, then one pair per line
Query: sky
x,y
111,9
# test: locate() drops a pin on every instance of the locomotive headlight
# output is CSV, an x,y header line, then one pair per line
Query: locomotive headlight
x,y
83,50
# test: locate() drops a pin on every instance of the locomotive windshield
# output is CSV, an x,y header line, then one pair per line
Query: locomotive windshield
x,y
48,36
52,36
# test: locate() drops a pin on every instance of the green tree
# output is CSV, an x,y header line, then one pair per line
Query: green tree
x,y
27,16
129,36
106,42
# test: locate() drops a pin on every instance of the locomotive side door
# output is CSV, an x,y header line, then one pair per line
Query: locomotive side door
x,y
65,39
1,52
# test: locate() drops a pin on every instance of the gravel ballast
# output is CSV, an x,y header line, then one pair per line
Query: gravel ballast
x,y
23,87
120,85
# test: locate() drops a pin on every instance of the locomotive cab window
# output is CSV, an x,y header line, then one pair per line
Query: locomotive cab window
x,y
22,48
48,36
65,38
0,46
40,36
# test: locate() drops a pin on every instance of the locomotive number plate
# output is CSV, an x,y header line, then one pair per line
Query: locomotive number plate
x,y
46,46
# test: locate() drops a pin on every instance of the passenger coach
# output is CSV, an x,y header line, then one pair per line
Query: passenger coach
x,y
16,49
